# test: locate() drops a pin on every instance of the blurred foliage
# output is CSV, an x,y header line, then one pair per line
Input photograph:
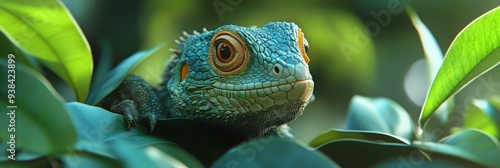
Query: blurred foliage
x,y
357,47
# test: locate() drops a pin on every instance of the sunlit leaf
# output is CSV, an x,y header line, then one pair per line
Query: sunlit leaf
x,y
40,120
471,145
273,152
46,30
101,89
379,114
473,52
334,135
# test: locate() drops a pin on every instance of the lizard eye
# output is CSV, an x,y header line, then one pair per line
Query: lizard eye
x,y
228,53
225,52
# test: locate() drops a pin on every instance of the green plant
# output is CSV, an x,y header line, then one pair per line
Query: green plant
x,y
50,130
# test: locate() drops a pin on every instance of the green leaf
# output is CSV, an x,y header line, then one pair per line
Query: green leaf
x,y
495,115
334,135
381,115
361,153
433,54
101,89
436,162
86,159
482,115
474,51
6,48
99,131
179,154
143,157
471,145
98,128
40,120
46,30
434,57
273,152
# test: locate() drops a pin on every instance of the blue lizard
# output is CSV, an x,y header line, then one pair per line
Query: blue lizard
x,y
251,81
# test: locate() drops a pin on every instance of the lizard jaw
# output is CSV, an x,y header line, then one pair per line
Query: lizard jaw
x,y
234,100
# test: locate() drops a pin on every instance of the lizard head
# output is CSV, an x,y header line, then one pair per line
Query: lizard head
x,y
247,79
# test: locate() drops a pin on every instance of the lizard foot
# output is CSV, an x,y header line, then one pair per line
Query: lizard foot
x,y
137,101
129,110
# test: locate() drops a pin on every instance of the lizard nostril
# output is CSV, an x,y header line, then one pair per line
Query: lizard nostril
x,y
277,70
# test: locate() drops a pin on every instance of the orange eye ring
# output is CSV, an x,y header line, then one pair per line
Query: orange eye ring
x,y
303,45
228,53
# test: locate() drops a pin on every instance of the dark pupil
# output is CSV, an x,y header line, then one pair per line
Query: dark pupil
x,y
225,51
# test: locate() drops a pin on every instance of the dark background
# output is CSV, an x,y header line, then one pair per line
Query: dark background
x,y
346,59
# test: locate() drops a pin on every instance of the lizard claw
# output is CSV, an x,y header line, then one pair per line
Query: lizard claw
x,y
129,110
152,118
151,127
138,101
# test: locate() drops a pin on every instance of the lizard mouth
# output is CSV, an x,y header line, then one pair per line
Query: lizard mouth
x,y
255,97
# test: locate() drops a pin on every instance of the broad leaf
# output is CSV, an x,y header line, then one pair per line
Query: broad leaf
x,y
98,128
101,89
379,114
361,153
144,157
273,152
100,131
334,135
410,161
86,159
46,30
40,120
471,145
474,51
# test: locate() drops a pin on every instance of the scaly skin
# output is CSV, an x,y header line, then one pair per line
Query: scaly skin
x,y
251,81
